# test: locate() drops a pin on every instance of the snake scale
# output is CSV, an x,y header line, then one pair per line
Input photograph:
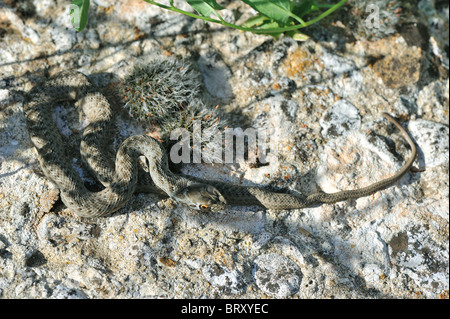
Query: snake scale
x,y
121,177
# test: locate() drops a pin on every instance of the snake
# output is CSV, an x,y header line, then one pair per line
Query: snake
x,y
123,176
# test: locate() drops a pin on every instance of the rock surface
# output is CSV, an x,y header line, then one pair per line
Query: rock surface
x,y
321,103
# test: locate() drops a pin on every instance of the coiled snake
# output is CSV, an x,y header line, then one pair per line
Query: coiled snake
x,y
120,178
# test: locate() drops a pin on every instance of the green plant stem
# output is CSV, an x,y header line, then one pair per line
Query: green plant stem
x,y
275,30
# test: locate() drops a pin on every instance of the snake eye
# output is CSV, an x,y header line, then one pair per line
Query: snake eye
x,y
204,207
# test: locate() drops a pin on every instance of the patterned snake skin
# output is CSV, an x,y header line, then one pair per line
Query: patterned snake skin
x,y
120,178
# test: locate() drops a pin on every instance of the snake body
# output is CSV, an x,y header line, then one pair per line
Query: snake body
x,y
121,177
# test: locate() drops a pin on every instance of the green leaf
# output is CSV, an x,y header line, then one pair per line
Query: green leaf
x,y
298,36
271,25
205,7
79,10
278,10
255,21
303,8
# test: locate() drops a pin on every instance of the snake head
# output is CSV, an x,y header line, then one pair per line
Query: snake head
x,y
201,197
